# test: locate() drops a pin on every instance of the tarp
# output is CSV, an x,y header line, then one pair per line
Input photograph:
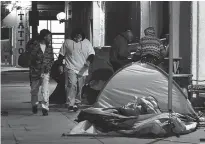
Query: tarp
x,y
138,118
142,80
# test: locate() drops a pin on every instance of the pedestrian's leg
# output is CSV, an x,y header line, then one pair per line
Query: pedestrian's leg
x,y
45,93
71,87
34,95
80,84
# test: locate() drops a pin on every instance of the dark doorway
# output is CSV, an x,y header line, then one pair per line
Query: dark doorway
x,y
165,29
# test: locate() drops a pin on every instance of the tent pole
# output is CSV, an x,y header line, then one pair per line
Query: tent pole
x,y
171,29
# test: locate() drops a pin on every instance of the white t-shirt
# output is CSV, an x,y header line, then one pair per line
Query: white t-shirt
x,y
76,55
43,47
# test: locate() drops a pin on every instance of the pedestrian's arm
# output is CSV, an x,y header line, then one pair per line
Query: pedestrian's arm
x,y
62,50
61,58
49,60
123,50
91,54
33,53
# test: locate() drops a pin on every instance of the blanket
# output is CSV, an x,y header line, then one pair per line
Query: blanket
x,y
138,118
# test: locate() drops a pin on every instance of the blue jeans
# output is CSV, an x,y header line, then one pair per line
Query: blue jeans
x,y
73,87
44,83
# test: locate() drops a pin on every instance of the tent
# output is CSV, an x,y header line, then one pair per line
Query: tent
x,y
143,80
116,108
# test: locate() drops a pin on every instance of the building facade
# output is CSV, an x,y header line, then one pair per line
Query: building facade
x,y
101,21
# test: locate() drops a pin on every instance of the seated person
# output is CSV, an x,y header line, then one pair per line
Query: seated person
x,y
100,72
96,84
119,51
152,49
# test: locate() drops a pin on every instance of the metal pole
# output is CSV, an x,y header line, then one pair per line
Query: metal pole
x,y
197,46
171,29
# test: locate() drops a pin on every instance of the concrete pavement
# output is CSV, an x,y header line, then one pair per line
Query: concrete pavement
x,y
23,127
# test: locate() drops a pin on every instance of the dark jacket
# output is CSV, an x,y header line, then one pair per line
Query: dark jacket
x,y
119,51
40,62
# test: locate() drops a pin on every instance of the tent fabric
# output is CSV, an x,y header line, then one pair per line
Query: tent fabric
x,y
142,80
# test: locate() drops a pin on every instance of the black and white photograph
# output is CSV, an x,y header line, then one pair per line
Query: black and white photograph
x,y
102,72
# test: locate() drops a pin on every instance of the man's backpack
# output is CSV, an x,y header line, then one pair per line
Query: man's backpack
x,y
55,73
24,59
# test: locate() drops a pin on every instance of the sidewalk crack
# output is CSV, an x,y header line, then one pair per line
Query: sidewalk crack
x,y
26,129
9,125
15,138
99,140
66,116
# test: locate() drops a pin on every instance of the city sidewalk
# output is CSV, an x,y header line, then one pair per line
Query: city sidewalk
x,y
20,126
23,127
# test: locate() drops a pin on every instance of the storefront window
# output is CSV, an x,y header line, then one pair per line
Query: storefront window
x,y
43,24
57,27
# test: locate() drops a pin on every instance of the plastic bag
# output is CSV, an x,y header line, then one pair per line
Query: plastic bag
x,y
84,127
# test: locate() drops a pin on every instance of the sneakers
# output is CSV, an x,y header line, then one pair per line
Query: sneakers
x,y
45,112
73,108
35,109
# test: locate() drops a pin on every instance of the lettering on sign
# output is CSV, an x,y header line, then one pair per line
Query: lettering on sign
x,y
21,31
21,50
21,16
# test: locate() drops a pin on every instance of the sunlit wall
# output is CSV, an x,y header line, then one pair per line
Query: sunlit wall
x,y
98,23
198,43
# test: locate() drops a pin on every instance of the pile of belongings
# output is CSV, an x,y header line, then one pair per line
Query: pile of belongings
x,y
141,117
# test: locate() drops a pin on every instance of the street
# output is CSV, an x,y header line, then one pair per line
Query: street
x,y
22,127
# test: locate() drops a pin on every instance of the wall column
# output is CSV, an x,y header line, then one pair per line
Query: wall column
x,y
98,23
198,43
68,24
151,16
145,16
174,27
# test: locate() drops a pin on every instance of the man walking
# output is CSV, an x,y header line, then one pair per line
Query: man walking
x,y
41,57
78,54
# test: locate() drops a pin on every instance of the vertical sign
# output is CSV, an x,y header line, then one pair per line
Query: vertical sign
x,y
21,32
